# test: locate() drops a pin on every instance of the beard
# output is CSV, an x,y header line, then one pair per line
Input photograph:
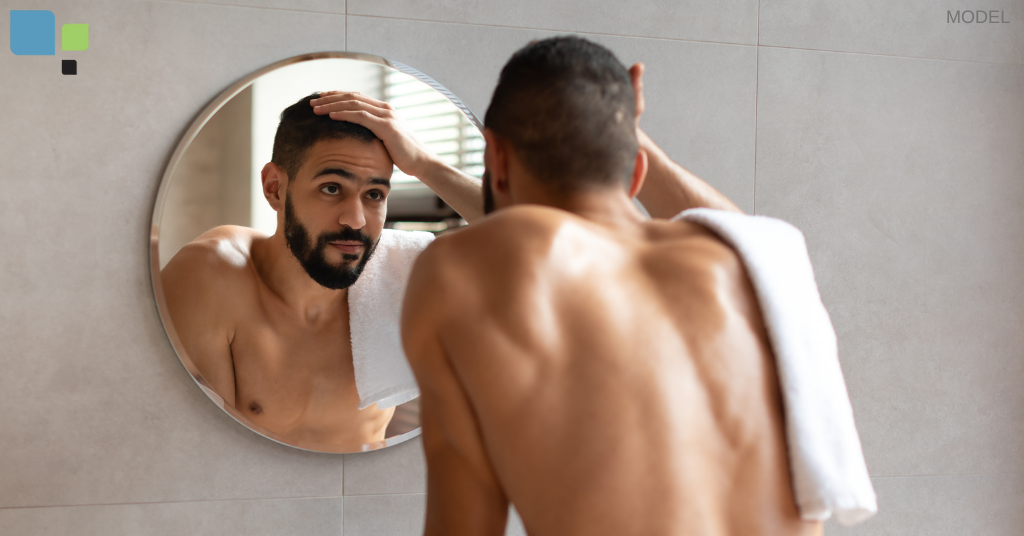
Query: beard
x,y
488,194
312,255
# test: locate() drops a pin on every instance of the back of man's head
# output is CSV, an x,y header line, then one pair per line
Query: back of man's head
x,y
567,107
301,128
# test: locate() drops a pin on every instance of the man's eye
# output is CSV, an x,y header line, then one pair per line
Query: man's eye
x,y
330,189
376,195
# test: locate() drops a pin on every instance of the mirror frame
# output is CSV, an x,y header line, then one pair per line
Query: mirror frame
x,y
185,141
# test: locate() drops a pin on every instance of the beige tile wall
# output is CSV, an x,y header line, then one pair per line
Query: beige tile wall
x,y
893,139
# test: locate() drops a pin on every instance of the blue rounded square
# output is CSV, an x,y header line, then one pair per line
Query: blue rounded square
x,y
33,32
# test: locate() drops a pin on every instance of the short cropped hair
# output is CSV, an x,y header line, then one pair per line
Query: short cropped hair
x,y
567,106
301,128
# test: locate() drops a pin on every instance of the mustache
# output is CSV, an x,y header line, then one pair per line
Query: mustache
x,y
346,234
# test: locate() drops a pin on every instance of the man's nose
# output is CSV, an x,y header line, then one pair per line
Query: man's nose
x,y
352,213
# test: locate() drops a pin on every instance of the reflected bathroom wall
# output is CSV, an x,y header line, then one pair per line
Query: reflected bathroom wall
x,y
213,179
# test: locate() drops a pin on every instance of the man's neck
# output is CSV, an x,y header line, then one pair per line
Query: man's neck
x,y
608,207
282,273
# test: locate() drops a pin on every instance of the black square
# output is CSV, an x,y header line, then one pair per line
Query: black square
x,y
69,66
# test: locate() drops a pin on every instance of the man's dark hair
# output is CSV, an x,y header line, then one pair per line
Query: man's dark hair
x,y
301,128
567,106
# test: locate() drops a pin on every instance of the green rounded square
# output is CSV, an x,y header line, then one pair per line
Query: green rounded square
x,y
74,37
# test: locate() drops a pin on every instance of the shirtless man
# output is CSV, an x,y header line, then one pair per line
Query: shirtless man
x,y
605,373
265,319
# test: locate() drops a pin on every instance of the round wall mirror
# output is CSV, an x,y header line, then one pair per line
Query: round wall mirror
x,y
318,382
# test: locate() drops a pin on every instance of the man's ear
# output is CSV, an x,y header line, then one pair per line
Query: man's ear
x,y
496,160
275,182
639,173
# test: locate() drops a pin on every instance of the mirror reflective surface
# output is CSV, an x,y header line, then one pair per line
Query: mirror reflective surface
x,y
216,219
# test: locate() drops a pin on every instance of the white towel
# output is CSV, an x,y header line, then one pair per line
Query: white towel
x,y
383,376
829,473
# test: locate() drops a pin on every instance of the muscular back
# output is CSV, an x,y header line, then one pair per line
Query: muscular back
x,y
613,381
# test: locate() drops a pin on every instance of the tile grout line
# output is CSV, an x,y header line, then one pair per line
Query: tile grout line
x,y
187,2
1009,473
343,497
652,38
147,503
191,3
892,55
757,84
407,494
151,503
487,25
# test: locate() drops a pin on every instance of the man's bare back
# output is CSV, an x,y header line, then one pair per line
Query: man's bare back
x,y
617,380
292,376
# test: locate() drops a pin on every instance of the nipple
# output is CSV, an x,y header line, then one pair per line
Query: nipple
x,y
255,408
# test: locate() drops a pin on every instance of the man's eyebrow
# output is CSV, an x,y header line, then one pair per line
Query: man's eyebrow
x,y
345,174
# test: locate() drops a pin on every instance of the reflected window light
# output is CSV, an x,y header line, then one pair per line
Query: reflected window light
x,y
435,227
437,123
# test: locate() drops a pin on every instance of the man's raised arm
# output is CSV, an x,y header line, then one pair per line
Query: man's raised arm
x,y
669,188
462,192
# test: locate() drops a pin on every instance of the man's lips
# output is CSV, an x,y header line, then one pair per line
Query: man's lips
x,y
347,246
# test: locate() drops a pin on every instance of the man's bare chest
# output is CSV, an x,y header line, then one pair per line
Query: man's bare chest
x,y
287,369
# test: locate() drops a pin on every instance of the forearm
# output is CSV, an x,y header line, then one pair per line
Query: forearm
x,y
670,189
462,192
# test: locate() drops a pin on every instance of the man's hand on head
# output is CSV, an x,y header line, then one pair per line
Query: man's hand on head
x,y
669,188
636,76
462,192
408,153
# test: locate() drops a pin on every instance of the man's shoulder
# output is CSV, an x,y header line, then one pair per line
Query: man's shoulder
x,y
220,256
496,255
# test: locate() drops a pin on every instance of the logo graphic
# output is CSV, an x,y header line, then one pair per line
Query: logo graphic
x,y
34,33
74,37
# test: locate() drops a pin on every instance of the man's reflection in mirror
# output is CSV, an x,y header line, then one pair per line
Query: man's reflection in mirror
x,y
265,319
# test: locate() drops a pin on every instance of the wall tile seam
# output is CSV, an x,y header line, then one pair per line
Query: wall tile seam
x,y
218,4
757,42
198,501
384,493
342,497
651,38
1021,64
415,494
757,86
944,475
537,29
